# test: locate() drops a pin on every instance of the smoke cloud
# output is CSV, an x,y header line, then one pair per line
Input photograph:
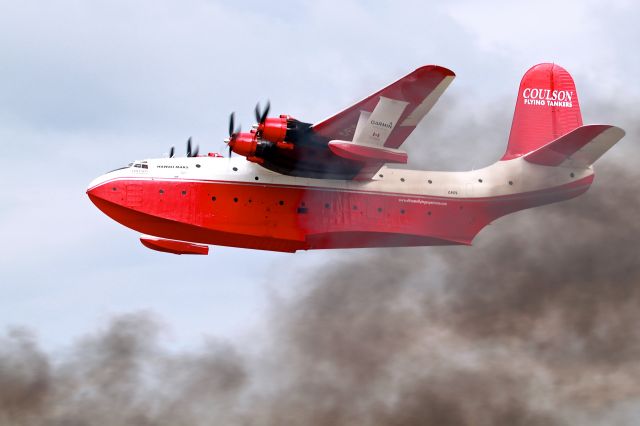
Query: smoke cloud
x,y
535,325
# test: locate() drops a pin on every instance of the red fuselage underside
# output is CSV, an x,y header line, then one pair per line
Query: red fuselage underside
x,y
290,218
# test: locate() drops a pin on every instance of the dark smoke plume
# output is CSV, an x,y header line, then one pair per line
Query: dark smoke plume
x,y
537,324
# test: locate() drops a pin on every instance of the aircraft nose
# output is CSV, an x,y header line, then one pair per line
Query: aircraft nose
x,y
106,193
105,188
95,184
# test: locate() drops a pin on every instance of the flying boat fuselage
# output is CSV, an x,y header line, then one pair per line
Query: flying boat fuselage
x,y
233,202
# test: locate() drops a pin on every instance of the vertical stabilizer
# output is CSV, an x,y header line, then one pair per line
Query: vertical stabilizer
x,y
546,109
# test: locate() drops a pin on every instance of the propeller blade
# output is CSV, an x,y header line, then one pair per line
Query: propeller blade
x,y
265,112
172,151
195,151
189,147
257,111
230,150
232,118
261,116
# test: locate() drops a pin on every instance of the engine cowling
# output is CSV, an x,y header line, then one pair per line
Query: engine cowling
x,y
274,129
284,130
244,144
248,145
269,135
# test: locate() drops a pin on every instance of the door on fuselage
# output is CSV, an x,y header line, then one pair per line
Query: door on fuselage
x,y
133,195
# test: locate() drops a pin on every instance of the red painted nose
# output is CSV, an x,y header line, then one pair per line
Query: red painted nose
x,y
94,187
92,191
101,189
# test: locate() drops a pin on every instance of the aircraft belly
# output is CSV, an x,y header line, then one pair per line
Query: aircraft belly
x,y
290,218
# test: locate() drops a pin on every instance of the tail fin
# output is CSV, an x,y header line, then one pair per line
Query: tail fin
x,y
546,109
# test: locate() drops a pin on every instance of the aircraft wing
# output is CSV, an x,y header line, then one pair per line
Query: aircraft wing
x,y
356,142
400,107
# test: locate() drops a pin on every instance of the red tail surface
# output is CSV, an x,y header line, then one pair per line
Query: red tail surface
x,y
546,109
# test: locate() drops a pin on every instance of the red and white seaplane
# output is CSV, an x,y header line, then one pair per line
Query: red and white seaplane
x,y
301,186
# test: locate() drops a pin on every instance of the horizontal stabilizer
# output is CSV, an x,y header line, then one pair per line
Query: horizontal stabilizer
x,y
579,148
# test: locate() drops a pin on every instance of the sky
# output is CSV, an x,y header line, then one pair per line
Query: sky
x,y
86,87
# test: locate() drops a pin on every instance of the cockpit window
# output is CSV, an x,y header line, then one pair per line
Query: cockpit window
x,y
119,168
135,164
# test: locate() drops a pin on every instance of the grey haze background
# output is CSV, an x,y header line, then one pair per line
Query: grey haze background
x,y
86,87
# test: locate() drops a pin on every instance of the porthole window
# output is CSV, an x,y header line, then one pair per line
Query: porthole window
x,y
235,169
402,211
326,205
401,179
355,207
379,209
510,182
256,178
281,202
430,181
114,188
429,213
161,191
235,199
480,180
184,192
381,175
198,165
213,198
572,174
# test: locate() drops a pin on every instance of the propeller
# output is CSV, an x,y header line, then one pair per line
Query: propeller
x,y
231,123
191,153
233,131
172,151
261,116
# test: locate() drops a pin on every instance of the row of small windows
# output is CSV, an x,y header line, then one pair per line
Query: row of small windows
x,y
301,209
184,192
235,200
429,181
281,202
304,209
235,169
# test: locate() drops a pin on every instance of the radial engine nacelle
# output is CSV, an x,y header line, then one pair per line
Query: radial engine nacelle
x,y
275,129
282,129
251,146
271,133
